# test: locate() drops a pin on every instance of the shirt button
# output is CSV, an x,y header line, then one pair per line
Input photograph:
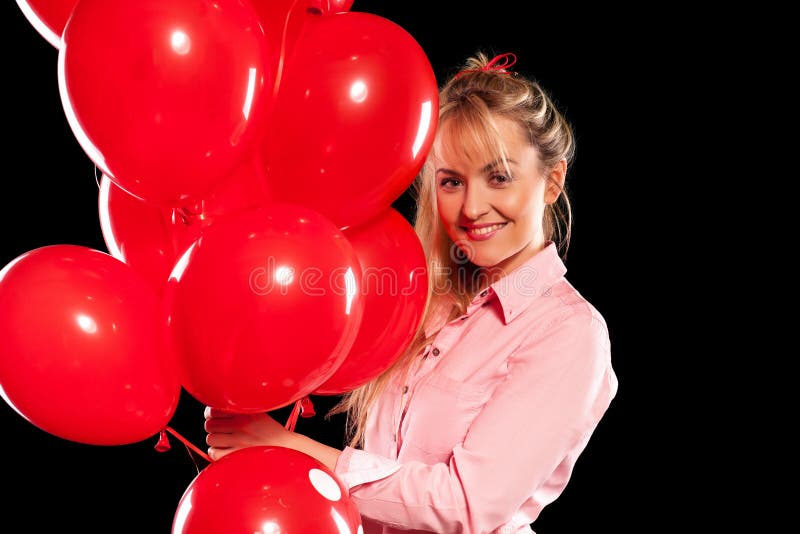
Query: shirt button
x,y
405,390
435,352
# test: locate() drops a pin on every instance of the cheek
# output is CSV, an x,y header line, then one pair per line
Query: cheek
x,y
525,207
446,206
448,218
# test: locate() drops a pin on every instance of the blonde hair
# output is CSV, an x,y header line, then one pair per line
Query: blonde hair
x,y
468,104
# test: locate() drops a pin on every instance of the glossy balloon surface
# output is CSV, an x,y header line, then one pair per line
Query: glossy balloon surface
x,y
354,118
84,354
264,308
166,98
395,287
266,490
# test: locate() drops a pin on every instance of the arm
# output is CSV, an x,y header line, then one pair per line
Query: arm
x,y
228,431
524,441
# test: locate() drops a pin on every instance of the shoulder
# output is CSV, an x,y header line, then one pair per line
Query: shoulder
x,y
567,307
566,325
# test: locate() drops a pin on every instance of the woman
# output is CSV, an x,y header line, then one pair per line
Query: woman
x,y
478,426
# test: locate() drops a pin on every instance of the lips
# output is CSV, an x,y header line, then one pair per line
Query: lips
x,y
482,232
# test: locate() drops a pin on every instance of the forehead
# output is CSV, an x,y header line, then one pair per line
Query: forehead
x,y
458,141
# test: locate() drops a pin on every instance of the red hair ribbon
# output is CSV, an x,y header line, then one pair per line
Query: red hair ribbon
x,y
499,63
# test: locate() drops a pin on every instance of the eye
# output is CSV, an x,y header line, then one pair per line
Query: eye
x,y
449,184
500,179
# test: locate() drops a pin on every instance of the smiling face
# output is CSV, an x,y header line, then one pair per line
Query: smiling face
x,y
493,209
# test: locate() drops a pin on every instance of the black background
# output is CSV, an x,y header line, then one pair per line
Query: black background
x,y
604,71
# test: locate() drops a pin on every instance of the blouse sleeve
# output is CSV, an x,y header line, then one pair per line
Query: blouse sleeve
x,y
559,386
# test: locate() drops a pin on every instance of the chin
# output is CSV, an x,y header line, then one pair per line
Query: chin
x,y
484,262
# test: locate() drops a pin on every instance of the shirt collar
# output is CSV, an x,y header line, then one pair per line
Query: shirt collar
x,y
519,288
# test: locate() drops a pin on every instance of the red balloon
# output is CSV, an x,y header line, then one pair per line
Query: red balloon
x,y
354,118
48,17
166,98
146,236
266,490
285,21
84,352
329,7
395,287
150,237
244,190
336,6
264,307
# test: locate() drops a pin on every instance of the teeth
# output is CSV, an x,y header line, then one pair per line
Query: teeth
x,y
486,230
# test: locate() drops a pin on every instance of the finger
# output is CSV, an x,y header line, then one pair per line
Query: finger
x,y
215,453
222,426
218,440
217,412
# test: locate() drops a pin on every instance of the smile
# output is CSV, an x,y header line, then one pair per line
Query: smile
x,y
480,234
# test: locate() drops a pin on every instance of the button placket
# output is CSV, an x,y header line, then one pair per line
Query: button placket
x,y
446,338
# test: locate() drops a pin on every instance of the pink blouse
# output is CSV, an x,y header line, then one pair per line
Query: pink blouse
x,y
484,433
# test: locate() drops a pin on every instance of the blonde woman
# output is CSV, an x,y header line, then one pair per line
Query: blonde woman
x,y
479,425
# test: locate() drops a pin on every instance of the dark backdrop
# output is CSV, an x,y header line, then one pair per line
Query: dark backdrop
x,y
599,70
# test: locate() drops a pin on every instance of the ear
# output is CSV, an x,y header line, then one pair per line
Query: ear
x,y
555,181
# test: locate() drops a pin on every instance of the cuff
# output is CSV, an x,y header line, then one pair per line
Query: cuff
x,y
354,467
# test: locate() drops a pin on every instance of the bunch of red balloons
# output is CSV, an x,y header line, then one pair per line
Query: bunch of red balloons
x,y
250,153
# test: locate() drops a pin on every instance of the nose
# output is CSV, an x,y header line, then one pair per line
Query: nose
x,y
475,203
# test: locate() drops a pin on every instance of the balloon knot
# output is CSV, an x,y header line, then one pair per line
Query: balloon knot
x,y
306,408
163,442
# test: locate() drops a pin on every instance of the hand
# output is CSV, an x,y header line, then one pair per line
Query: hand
x,y
230,431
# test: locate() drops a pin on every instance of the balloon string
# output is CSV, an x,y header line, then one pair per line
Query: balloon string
x,y
292,421
188,444
303,407
279,70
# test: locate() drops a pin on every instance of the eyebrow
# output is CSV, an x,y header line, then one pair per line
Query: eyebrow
x,y
486,168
